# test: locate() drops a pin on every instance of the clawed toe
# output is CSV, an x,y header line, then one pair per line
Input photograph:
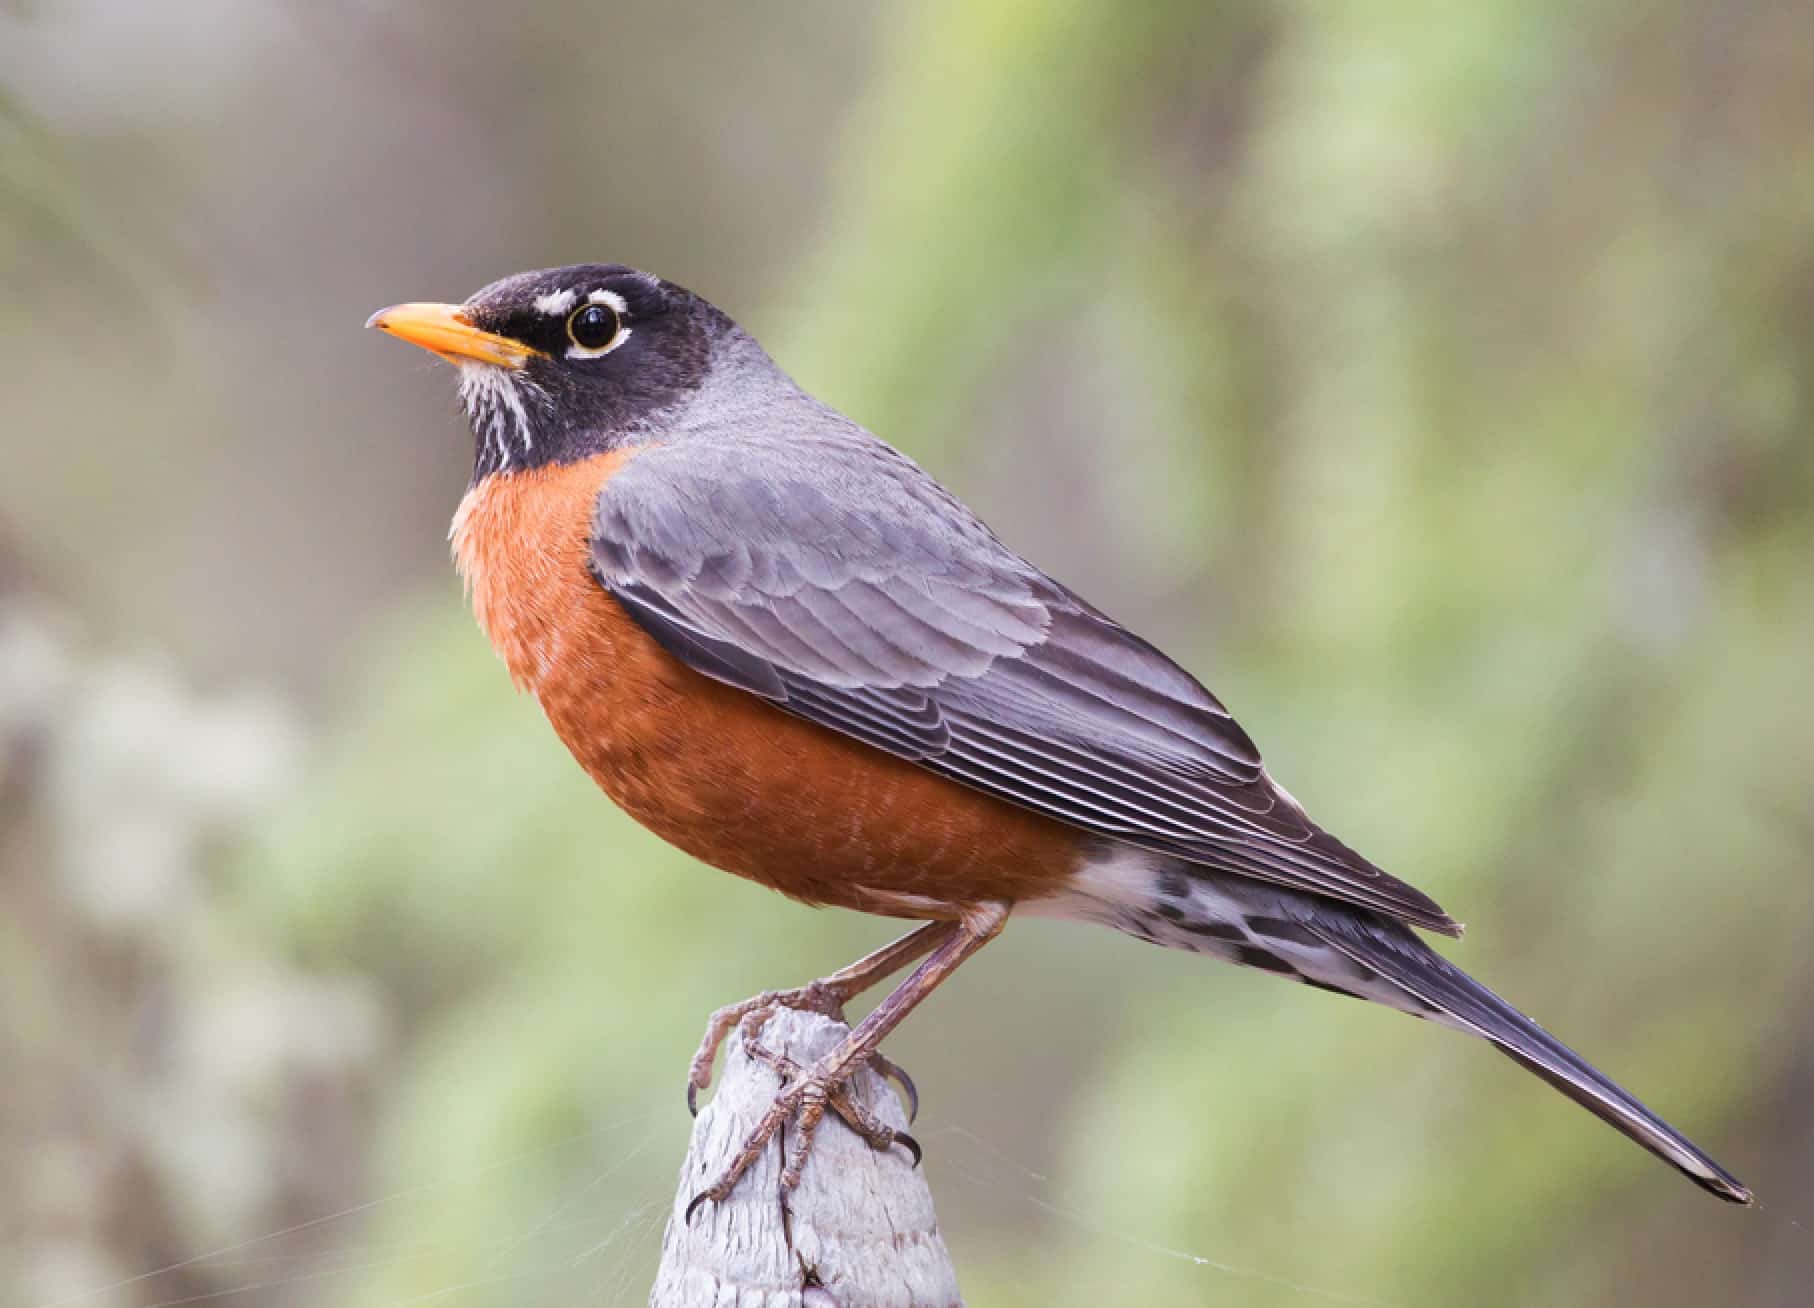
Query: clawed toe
x,y
804,1097
898,1074
913,1147
818,997
695,1204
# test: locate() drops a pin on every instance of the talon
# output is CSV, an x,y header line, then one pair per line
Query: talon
x,y
803,1102
913,1147
898,1074
820,997
693,1206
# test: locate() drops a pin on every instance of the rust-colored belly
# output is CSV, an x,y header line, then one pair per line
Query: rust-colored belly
x,y
724,775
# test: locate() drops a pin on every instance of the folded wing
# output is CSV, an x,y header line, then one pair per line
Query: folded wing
x,y
837,581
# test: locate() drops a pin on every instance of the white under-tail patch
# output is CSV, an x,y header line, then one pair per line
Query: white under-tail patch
x,y
1166,901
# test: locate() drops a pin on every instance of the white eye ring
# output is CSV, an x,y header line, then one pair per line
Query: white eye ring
x,y
586,336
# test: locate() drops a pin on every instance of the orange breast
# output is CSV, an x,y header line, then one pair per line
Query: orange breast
x,y
724,775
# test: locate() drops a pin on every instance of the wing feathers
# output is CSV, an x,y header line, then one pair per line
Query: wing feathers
x,y
863,599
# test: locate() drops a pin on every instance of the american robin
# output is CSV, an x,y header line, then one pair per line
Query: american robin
x,y
779,644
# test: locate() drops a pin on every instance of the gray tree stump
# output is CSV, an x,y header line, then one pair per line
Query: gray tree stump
x,y
859,1232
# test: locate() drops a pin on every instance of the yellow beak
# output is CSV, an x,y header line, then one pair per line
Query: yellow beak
x,y
447,330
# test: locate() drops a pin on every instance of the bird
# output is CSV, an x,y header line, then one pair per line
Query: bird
x,y
782,646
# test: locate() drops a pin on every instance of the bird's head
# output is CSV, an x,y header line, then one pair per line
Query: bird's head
x,y
564,363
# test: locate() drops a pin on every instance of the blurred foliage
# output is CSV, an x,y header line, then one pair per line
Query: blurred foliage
x,y
173,1084
1435,381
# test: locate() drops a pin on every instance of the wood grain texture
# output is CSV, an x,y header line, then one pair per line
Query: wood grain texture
x,y
727,777
861,1231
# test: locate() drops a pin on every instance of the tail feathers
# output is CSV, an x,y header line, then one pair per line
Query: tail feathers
x,y
1406,961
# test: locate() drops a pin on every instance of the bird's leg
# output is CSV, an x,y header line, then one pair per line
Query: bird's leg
x,y
805,1098
828,995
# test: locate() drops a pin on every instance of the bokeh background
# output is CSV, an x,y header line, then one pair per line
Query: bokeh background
x,y
1436,380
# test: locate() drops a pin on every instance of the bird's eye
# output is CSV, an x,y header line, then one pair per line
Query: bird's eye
x,y
594,328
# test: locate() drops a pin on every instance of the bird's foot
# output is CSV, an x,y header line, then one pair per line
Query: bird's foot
x,y
824,997
818,997
804,1096
840,1092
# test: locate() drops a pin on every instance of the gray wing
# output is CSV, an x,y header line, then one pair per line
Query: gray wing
x,y
835,579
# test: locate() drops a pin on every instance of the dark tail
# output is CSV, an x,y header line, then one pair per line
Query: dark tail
x,y
1400,957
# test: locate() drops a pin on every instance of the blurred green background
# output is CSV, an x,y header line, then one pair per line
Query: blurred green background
x,y
1435,380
